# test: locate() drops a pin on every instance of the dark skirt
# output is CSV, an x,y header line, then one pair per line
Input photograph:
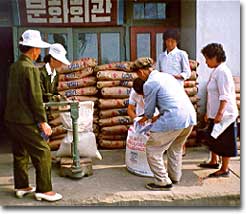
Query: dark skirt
x,y
226,144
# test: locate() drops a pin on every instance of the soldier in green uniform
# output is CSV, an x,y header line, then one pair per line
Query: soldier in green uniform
x,y
49,72
26,119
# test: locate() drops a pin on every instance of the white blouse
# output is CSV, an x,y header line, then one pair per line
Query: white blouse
x,y
221,87
175,62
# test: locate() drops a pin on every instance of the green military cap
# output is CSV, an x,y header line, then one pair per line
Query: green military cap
x,y
142,62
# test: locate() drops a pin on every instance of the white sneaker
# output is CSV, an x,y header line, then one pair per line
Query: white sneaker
x,y
40,196
20,193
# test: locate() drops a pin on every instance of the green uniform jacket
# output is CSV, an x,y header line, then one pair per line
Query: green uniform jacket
x,y
24,96
48,89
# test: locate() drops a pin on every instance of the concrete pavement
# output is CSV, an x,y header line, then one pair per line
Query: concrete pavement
x,y
113,185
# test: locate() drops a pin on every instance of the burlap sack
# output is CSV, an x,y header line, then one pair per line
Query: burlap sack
x,y
95,128
113,112
118,129
122,66
118,120
102,84
237,96
112,137
191,91
112,103
79,64
56,137
115,92
193,64
55,122
193,76
76,74
115,75
77,83
54,144
190,83
238,104
194,99
84,98
237,87
112,144
57,130
90,90
236,79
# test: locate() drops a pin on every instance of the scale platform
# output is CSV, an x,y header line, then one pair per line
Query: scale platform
x,y
67,168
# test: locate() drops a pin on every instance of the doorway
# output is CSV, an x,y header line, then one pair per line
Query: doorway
x,y
6,59
146,41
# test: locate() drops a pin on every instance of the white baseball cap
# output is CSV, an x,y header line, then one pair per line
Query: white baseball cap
x,y
32,38
58,52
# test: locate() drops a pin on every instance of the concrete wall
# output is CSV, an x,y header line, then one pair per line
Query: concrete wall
x,y
217,21
188,28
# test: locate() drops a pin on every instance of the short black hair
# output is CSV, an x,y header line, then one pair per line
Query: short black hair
x,y
23,48
138,85
172,33
214,50
47,58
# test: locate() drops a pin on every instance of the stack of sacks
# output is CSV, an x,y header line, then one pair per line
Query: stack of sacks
x,y
191,89
237,91
114,82
77,81
58,132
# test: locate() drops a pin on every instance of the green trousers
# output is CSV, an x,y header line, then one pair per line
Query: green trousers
x,y
27,142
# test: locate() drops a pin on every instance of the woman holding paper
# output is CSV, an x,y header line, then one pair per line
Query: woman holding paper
x,y
221,112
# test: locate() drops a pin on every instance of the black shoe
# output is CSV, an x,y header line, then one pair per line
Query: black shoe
x,y
215,175
175,182
153,186
209,166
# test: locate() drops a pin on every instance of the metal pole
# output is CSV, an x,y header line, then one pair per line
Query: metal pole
x,y
75,154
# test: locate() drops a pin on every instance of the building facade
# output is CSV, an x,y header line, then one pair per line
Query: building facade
x,y
118,30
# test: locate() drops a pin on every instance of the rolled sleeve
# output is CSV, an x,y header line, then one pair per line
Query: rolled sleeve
x,y
186,71
224,87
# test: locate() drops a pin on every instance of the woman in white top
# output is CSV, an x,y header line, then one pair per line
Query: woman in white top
x,y
221,112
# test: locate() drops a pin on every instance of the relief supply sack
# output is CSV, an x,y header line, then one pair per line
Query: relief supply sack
x,y
86,146
85,119
135,158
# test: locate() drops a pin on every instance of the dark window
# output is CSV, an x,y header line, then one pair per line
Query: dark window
x,y
149,11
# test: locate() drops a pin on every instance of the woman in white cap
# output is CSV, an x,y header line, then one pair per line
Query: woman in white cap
x,y
25,118
49,72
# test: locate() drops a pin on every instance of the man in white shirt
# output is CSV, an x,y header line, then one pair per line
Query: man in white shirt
x,y
173,60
